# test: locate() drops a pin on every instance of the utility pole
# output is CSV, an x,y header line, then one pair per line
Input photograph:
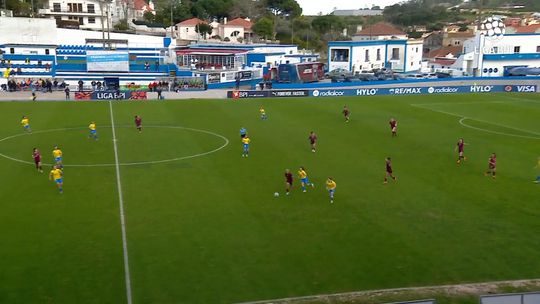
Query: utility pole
x,y
102,23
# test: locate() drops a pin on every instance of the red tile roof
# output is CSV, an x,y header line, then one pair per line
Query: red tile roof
x,y
191,22
444,51
533,28
381,29
444,62
240,22
140,5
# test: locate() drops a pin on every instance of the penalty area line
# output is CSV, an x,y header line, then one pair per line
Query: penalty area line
x,y
121,207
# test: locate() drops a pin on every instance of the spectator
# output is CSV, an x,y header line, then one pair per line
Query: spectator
x,y
238,81
93,84
159,97
55,84
67,93
80,83
48,83
98,84
157,65
146,66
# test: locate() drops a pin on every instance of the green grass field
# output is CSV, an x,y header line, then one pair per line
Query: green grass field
x,y
208,229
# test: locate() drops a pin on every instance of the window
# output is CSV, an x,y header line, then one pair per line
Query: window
x,y
75,7
235,34
339,55
367,56
81,20
47,52
538,49
58,19
395,54
378,54
495,50
12,50
56,7
91,8
516,49
91,19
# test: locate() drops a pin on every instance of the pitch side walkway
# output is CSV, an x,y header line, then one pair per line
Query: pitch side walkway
x,y
60,95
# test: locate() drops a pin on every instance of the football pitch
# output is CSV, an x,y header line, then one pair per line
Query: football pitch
x,y
202,224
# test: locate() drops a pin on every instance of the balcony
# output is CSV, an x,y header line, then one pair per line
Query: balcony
x,y
66,12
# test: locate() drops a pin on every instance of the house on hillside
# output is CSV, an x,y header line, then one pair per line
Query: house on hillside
x,y
529,29
187,29
443,58
439,39
236,30
379,31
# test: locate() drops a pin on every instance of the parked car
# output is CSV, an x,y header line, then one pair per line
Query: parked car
x,y
430,75
414,76
337,72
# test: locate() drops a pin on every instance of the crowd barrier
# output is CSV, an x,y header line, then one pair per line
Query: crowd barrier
x,y
409,90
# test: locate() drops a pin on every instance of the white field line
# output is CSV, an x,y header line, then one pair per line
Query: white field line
x,y
225,143
122,213
469,288
462,118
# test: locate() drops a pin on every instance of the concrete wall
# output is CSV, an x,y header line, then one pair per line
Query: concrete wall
x,y
28,31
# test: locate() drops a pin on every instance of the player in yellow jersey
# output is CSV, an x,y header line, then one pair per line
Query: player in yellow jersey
x,y
331,187
25,122
263,113
537,181
93,131
245,145
56,175
57,155
302,175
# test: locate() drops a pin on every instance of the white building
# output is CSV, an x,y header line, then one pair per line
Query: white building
x,y
398,55
186,30
234,31
485,56
88,14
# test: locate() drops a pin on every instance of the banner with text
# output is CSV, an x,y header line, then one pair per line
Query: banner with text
x,y
110,95
107,61
385,91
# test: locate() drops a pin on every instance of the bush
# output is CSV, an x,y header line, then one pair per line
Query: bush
x,y
240,39
226,39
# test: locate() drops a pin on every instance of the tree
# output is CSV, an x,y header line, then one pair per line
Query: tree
x,y
203,29
149,17
284,8
264,27
327,23
122,25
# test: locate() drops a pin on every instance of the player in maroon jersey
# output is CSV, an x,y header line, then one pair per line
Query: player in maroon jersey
x,y
492,165
288,181
312,140
460,147
389,172
36,155
346,113
393,126
138,123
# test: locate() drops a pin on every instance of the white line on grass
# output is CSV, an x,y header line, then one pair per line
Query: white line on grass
x,y
462,118
121,205
225,143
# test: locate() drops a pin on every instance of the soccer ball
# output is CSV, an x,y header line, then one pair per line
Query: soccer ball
x,y
276,194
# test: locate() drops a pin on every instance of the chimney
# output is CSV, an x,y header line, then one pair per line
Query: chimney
x,y
225,20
